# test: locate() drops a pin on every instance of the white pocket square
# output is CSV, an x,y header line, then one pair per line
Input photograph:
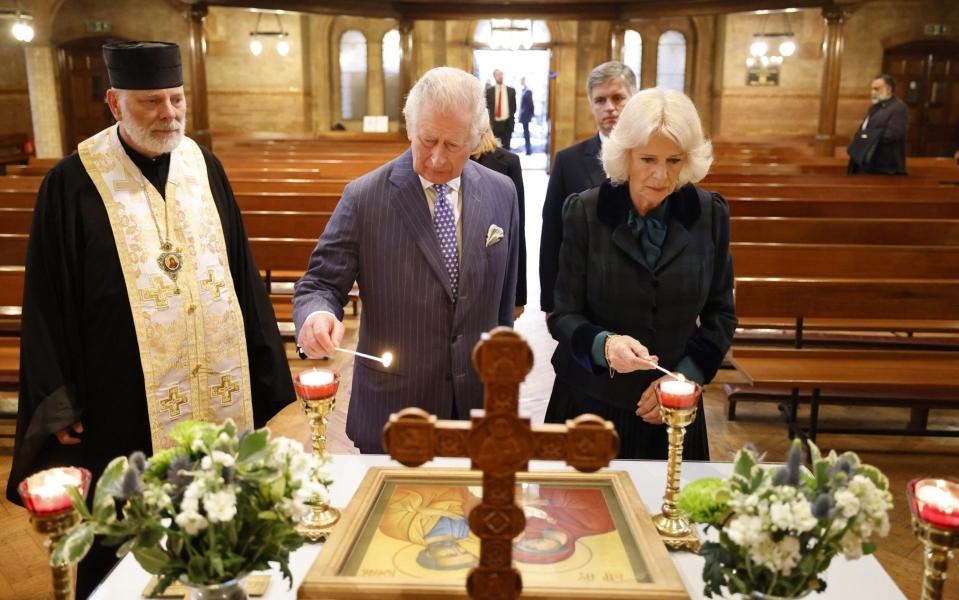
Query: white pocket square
x,y
494,235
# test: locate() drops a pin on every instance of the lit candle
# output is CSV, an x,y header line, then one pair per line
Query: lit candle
x,y
936,501
316,378
678,394
46,492
316,383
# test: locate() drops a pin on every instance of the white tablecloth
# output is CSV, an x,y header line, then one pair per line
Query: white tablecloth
x,y
863,578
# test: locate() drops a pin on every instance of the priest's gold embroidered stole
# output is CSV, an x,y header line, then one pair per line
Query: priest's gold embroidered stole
x,y
188,321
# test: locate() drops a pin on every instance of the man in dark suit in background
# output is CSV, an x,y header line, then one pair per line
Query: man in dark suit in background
x,y
433,240
526,112
879,145
578,168
501,103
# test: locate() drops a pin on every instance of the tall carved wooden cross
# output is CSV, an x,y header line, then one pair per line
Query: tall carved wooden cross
x,y
499,443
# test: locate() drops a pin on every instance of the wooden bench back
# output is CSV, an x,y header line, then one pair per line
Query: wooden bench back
x,y
896,299
843,209
845,260
897,232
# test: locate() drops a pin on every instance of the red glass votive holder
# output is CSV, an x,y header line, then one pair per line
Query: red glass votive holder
x,y
678,394
314,384
45,493
935,501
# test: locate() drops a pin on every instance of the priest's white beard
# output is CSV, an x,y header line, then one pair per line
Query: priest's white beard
x,y
144,137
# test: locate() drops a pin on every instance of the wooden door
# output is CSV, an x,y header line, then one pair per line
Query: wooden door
x,y
927,80
84,82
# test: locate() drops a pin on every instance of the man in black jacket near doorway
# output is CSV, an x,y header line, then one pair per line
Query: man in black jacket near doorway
x,y
578,168
879,145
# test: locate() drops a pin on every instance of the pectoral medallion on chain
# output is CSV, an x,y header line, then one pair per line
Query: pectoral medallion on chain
x,y
170,261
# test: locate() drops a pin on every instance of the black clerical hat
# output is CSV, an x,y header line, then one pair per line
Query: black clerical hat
x,y
143,65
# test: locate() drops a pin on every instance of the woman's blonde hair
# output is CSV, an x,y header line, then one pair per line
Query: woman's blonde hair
x,y
668,112
487,143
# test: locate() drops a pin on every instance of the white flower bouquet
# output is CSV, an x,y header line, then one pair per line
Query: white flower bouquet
x,y
780,528
213,508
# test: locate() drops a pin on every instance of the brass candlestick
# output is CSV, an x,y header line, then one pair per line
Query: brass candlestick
x,y
672,524
938,540
52,514
55,526
318,402
938,545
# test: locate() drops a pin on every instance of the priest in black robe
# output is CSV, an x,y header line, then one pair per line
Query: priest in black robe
x,y
91,385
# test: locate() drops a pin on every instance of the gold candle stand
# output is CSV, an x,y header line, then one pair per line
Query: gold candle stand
x,y
55,526
938,545
318,403
672,524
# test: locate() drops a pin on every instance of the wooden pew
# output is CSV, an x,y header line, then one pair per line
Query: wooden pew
x,y
855,191
918,380
857,261
897,232
837,208
862,376
279,224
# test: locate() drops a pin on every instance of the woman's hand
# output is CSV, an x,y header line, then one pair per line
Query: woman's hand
x,y
625,355
648,406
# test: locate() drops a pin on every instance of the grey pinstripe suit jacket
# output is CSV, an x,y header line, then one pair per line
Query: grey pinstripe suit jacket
x,y
381,235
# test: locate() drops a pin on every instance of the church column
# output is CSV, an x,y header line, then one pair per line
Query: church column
x,y
617,39
198,94
406,63
44,99
376,90
43,85
829,96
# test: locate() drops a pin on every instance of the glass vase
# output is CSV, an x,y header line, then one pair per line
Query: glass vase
x,y
234,589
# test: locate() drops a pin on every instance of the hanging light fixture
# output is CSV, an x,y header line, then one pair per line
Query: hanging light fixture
x,y
282,44
508,34
787,48
760,47
22,29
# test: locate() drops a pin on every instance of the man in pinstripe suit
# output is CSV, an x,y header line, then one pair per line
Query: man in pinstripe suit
x,y
432,238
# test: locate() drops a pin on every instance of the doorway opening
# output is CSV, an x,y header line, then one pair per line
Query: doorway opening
x,y
516,65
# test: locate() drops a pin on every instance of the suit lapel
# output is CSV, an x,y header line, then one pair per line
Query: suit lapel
x,y
625,240
475,217
677,238
594,167
409,200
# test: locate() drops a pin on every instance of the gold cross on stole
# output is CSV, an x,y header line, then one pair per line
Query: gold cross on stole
x,y
173,402
225,390
499,443
159,293
212,284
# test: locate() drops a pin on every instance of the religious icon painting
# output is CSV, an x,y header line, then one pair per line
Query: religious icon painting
x,y
586,536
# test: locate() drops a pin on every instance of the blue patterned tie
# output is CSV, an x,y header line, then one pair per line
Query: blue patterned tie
x,y
445,225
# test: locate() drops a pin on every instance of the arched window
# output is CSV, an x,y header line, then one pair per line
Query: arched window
x,y
352,75
633,53
391,73
671,61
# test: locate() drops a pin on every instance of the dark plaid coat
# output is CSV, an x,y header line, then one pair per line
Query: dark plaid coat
x,y
681,307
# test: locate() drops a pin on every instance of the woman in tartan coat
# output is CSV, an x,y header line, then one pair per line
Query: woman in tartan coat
x,y
645,277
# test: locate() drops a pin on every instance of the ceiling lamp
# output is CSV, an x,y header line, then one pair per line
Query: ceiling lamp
x,y
508,34
282,44
758,48
22,29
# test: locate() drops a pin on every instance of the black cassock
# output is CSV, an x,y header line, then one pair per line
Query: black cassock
x,y
79,358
